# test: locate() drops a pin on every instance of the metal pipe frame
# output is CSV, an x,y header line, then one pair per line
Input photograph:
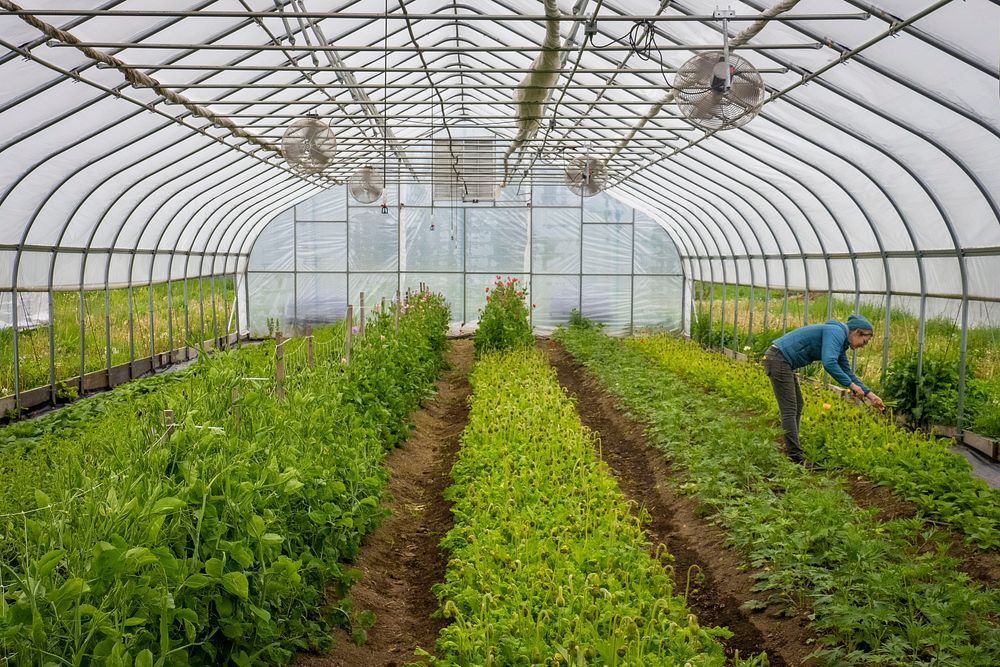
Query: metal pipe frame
x,y
958,253
380,16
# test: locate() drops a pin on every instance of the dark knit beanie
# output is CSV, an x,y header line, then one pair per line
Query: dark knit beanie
x,y
859,322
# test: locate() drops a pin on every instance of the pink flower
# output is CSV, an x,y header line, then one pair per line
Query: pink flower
x,y
355,329
343,360
533,306
381,337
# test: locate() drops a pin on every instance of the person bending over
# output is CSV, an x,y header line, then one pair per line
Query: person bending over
x,y
827,342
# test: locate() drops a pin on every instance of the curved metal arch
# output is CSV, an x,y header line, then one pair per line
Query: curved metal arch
x,y
791,228
236,200
875,231
830,212
749,226
805,265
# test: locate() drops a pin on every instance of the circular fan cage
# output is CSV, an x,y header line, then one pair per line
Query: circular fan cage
x,y
701,95
366,185
586,175
309,145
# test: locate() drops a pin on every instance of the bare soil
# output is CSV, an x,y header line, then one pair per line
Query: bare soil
x,y
983,567
401,560
718,580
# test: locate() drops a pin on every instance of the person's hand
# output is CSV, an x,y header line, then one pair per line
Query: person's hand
x,y
876,401
857,391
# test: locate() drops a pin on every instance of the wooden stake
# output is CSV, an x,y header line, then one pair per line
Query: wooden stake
x,y
361,315
309,346
168,420
279,366
395,314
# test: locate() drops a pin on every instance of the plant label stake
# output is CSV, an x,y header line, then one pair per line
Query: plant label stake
x,y
361,315
310,359
347,335
279,366
168,421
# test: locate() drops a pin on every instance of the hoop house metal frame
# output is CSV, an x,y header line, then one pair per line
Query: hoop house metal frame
x,y
142,144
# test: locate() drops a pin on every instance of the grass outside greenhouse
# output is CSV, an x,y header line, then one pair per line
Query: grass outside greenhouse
x,y
151,320
934,402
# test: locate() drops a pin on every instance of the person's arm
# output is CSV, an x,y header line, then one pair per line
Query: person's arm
x,y
845,365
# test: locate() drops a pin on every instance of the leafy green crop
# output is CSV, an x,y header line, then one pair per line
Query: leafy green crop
x,y
879,592
915,466
217,544
547,565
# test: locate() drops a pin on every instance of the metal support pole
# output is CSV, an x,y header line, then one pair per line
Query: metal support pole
x,y
83,356
170,318
17,355
107,328
52,343
395,314
962,359
187,317
348,334
168,422
131,332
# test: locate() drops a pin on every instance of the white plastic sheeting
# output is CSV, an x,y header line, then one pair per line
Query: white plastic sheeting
x,y
893,150
298,272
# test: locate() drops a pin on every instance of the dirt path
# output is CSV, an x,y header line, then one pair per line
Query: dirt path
x,y
400,561
642,473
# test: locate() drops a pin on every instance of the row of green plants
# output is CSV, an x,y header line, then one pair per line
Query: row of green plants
x,y
876,592
203,323
931,400
838,434
215,543
546,563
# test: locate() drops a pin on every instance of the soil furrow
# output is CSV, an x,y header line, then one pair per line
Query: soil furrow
x,y
401,561
714,575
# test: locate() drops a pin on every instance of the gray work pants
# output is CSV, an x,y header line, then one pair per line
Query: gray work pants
x,y
789,395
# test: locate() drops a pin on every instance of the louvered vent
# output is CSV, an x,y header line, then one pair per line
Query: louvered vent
x,y
464,169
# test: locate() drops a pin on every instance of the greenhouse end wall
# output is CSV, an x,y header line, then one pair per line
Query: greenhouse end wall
x,y
613,263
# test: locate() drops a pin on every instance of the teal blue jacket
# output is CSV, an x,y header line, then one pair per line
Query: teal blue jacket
x,y
825,342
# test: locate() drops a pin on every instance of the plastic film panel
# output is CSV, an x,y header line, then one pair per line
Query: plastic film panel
x,y
274,248
433,239
555,240
554,298
607,248
451,285
497,240
321,297
607,299
656,302
372,241
273,300
321,246
654,250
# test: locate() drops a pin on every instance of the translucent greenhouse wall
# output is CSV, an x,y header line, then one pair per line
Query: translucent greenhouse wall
x,y
613,263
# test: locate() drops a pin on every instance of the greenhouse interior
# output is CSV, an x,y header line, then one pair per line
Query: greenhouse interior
x,y
514,332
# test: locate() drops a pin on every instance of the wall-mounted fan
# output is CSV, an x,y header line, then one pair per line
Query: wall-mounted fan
x,y
586,175
718,91
309,145
366,184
